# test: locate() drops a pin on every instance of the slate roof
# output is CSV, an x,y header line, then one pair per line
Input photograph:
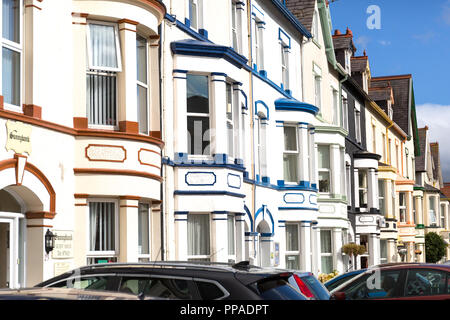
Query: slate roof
x,y
401,88
343,41
303,10
359,64
420,160
446,189
381,94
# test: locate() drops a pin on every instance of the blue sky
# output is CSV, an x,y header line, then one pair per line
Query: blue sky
x,y
413,38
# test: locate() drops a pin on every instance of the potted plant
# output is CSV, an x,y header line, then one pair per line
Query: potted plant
x,y
353,250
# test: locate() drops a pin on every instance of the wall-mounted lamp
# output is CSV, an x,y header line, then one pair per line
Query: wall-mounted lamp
x,y
49,241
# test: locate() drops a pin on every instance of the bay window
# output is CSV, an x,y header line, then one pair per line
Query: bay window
x,y
144,232
292,256
326,251
291,154
198,114
11,53
142,84
323,152
103,230
104,61
198,237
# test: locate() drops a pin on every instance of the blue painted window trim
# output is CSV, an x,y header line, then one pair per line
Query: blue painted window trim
x,y
283,104
298,208
200,184
208,192
208,49
281,31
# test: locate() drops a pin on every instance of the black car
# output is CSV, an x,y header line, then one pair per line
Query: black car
x,y
182,280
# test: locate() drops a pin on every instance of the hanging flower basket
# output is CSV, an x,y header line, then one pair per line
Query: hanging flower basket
x,y
418,251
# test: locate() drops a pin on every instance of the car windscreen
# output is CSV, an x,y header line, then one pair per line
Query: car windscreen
x,y
318,289
340,281
278,289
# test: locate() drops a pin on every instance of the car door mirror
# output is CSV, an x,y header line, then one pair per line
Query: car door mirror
x,y
338,296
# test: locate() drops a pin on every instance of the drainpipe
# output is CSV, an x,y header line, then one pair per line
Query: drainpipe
x,y
161,123
252,156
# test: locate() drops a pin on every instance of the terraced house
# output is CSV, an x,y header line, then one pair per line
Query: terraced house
x,y
202,130
80,123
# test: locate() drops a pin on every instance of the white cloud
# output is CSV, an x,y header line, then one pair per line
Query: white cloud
x,y
384,42
437,118
424,37
446,12
363,41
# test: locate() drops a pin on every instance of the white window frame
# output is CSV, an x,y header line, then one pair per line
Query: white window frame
x,y
335,101
231,255
357,122
118,46
147,88
18,48
402,207
233,122
236,29
364,187
292,152
327,254
261,141
344,112
315,26
285,66
103,254
200,257
146,256
317,80
198,13
382,196
203,115
293,252
326,170
259,43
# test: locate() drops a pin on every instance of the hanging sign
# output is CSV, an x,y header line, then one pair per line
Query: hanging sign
x,y
18,138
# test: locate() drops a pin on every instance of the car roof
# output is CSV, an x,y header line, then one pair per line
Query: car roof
x,y
63,294
245,272
394,266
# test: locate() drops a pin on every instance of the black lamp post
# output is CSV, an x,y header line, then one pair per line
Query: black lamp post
x,y
49,241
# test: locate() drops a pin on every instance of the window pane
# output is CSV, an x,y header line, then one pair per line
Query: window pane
x,y
141,59
290,167
292,237
383,251
102,226
101,98
324,181
142,109
157,287
143,229
198,234
324,156
327,264
229,102
426,282
292,262
197,94
11,76
381,195
193,13
103,46
11,20
290,138
325,241
198,128
230,227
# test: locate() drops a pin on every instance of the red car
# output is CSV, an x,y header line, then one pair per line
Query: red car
x,y
398,282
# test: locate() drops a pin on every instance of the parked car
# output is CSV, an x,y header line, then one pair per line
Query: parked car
x,y
309,285
182,280
340,279
413,281
62,294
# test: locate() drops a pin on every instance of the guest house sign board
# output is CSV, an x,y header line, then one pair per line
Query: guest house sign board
x,y
18,138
